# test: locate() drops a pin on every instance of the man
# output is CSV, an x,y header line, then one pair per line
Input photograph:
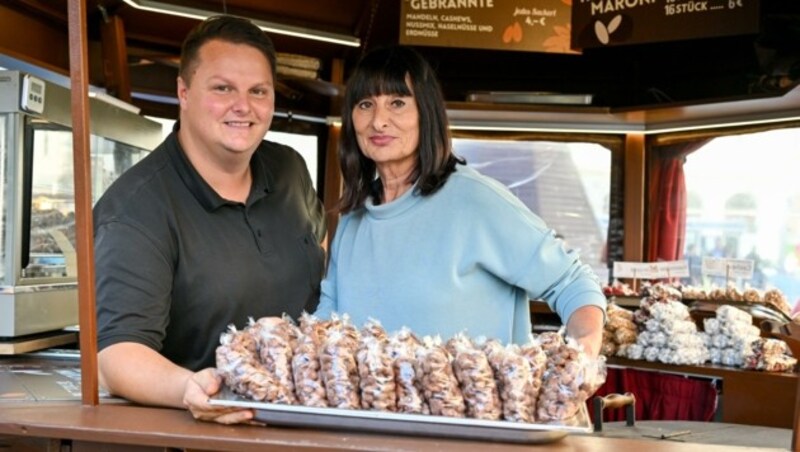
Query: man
x,y
213,227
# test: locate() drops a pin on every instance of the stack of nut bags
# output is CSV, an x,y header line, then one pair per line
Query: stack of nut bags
x,y
667,332
771,355
728,335
569,379
309,387
439,384
402,348
620,331
337,357
517,383
476,379
777,299
256,361
376,369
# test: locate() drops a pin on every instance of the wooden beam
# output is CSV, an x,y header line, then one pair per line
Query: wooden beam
x,y
32,39
634,196
157,109
115,58
79,81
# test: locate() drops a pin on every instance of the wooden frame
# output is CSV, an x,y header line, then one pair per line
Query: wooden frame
x,y
79,80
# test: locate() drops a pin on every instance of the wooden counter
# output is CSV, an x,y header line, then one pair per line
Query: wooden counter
x,y
38,423
35,423
42,426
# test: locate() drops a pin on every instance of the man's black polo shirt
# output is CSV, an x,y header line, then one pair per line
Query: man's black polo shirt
x,y
176,263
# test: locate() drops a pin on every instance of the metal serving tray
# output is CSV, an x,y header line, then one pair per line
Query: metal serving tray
x,y
407,424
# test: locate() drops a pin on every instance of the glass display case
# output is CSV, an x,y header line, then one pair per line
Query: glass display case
x,y
38,283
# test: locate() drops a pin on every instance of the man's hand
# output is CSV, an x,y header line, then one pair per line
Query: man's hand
x,y
204,384
141,375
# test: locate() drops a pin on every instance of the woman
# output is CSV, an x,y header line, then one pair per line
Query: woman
x,y
430,243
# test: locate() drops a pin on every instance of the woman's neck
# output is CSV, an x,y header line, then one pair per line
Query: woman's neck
x,y
394,191
395,185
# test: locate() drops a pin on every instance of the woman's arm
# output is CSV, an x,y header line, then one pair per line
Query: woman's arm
x,y
586,326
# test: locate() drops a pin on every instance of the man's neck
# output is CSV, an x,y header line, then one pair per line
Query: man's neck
x,y
231,177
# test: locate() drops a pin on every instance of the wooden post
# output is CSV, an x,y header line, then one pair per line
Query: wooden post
x,y
634,198
333,176
79,76
115,58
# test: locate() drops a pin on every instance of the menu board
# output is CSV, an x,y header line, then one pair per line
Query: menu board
x,y
532,25
598,23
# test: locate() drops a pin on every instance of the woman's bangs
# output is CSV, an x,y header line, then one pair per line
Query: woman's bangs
x,y
383,80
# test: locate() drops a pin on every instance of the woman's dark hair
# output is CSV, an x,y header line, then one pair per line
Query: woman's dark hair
x,y
231,29
385,71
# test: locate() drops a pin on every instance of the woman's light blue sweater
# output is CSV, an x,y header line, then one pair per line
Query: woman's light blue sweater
x,y
466,259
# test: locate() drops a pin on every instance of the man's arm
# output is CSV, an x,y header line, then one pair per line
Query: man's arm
x,y
140,374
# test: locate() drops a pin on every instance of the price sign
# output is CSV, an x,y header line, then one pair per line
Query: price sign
x,y
599,23
651,270
537,26
728,268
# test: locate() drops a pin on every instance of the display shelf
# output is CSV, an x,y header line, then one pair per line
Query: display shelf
x,y
758,310
33,342
748,396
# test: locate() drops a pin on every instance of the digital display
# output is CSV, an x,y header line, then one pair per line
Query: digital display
x,y
32,94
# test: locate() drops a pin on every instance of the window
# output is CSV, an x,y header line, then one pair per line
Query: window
x,y
566,184
745,204
306,145
50,209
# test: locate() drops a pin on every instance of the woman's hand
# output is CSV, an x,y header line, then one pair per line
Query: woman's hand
x,y
586,326
202,385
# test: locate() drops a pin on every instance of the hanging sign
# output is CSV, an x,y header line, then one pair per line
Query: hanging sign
x,y
651,270
526,25
598,23
728,268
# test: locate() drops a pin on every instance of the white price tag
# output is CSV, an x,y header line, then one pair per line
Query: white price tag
x,y
676,269
728,268
651,270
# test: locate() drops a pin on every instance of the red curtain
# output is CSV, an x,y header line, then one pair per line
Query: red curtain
x,y
660,397
669,224
667,198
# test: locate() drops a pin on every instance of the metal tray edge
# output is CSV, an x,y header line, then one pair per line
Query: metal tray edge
x,y
406,424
